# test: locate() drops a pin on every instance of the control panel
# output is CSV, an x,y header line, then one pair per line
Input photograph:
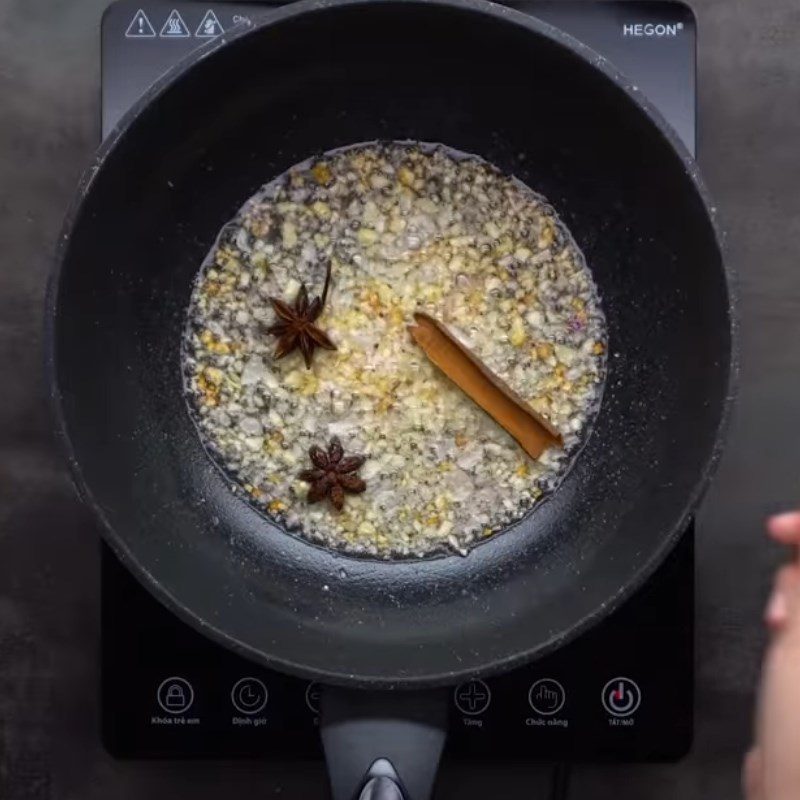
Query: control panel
x,y
621,691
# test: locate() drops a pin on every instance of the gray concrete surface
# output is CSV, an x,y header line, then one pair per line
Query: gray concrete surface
x,y
49,748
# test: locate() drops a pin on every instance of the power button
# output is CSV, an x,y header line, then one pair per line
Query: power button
x,y
621,697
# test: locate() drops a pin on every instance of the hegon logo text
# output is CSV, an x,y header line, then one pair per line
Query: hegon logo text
x,y
652,29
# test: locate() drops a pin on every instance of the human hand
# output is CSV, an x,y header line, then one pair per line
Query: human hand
x,y
772,768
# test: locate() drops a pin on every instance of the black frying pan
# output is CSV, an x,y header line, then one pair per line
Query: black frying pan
x,y
314,76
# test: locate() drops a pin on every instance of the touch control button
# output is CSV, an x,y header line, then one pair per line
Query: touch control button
x,y
621,697
547,697
175,695
313,696
472,698
249,696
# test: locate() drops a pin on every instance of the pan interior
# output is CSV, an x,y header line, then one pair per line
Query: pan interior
x,y
481,81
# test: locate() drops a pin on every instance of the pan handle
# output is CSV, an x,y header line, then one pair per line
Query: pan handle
x,y
382,745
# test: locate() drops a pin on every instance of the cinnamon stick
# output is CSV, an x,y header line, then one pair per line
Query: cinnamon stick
x,y
533,433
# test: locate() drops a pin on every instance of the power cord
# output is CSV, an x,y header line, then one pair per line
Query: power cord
x,y
560,784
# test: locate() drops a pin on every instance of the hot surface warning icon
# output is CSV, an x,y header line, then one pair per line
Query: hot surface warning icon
x,y
175,27
140,27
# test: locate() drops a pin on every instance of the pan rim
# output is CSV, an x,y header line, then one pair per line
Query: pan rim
x,y
400,680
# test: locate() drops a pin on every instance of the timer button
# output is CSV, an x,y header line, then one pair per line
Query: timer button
x,y
621,697
249,696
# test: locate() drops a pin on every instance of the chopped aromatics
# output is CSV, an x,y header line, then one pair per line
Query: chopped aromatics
x,y
404,228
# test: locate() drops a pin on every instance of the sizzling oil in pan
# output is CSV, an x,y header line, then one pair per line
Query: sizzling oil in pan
x,y
368,448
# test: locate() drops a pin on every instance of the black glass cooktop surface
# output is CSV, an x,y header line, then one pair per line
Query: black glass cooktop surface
x,y
623,691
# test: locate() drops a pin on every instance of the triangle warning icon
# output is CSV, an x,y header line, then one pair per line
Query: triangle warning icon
x,y
140,27
175,27
209,26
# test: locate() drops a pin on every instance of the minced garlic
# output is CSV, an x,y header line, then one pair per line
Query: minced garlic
x,y
405,228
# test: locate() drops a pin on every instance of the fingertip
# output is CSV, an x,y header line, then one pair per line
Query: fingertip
x,y
752,775
777,611
785,527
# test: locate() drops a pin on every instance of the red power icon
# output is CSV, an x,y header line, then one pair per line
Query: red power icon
x,y
621,697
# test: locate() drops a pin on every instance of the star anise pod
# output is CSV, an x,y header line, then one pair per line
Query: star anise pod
x,y
295,325
333,474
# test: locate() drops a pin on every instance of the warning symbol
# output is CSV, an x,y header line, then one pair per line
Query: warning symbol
x,y
175,27
140,27
209,26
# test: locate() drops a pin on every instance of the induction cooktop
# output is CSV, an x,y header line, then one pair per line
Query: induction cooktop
x,y
622,692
